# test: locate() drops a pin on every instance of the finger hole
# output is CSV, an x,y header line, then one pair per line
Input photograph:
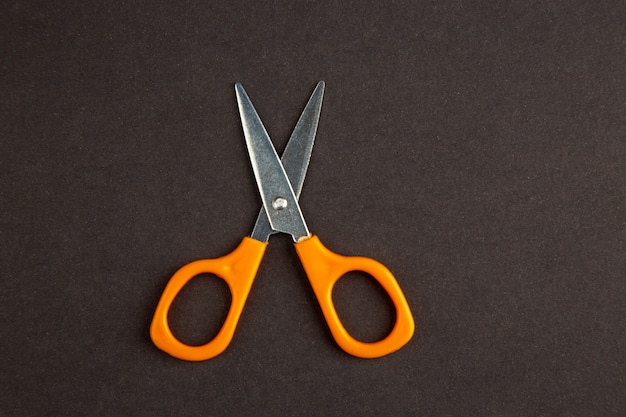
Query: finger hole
x,y
199,310
364,307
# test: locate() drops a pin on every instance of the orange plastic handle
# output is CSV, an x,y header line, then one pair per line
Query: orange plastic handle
x,y
238,269
324,268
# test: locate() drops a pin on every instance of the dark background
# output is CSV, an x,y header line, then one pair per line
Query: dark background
x,y
475,148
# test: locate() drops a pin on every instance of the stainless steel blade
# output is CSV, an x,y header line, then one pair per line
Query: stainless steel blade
x,y
279,200
295,157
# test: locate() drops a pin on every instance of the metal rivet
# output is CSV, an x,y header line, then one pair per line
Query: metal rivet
x,y
279,203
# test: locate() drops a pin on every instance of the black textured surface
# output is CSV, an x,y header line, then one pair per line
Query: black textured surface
x,y
477,149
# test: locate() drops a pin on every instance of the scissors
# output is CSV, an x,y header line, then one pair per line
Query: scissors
x,y
279,182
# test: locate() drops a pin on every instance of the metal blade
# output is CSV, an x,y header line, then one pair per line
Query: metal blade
x,y
279,199
296,156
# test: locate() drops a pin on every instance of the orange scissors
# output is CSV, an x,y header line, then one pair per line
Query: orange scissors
x,y
279,182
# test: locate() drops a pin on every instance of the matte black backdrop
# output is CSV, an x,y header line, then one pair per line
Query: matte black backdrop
x,y
475,148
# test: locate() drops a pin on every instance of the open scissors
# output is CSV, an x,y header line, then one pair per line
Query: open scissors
x,y
279,183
